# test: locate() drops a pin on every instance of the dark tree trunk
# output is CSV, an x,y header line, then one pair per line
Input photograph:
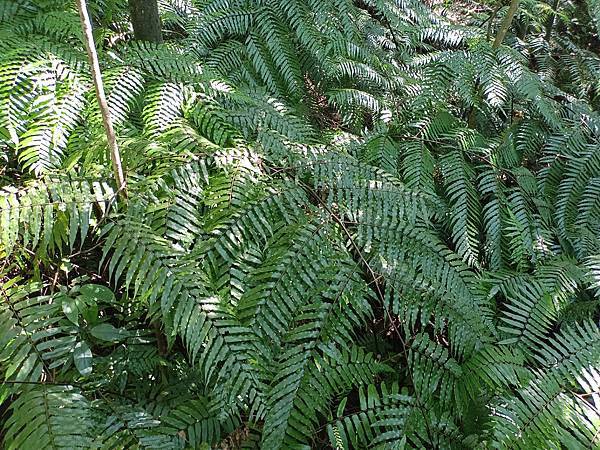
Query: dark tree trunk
x,y
145,20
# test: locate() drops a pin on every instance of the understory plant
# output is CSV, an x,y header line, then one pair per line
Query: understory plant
x,y
348,225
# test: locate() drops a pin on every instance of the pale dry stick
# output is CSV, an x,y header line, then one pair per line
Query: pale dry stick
x,y
99,86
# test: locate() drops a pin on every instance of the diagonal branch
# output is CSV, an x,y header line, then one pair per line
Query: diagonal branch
x,y
506,23
99,86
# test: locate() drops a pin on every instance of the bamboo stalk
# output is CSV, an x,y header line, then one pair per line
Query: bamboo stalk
x,y
101,97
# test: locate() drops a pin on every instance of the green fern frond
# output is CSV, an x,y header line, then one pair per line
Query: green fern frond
x,y
163,62
164,103
499,368
577,174
351,99
544,414
197,422
379,150
213,337
41,148
572,356
434,372
50,212
53,417
123,85
212,123
465,206
303,385
418,166
381,412
594,10
529,314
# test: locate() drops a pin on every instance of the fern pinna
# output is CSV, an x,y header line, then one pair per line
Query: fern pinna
x,y
349,225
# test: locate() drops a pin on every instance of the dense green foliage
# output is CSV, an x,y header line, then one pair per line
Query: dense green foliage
x,y
348,225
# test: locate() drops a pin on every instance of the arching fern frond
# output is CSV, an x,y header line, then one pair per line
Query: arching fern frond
x,y
301,389
543,412
383,413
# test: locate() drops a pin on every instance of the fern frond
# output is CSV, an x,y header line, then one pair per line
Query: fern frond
x,y
418,166
198,422
381,151
53,417
164,103
163,62
434,372
544,414
50,212
572,356
123,85
41,148
529,314
465,206
303,385
378,416
594,10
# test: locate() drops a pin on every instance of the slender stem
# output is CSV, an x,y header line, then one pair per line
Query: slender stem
x,y
99,86
512,11
491,20
551,20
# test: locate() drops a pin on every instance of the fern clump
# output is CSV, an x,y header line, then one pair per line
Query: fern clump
x,y
348,224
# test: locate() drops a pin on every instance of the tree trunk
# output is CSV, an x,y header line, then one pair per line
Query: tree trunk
x,y
145,20
512,11
99,86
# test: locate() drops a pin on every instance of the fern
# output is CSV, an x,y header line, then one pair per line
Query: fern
x,y
349,224
51,212
290,422
47,416
593,8
465,208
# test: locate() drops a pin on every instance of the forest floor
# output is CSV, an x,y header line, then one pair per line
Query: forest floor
x,y
458,11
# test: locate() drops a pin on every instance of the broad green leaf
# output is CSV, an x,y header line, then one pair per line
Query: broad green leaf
x,y
82,356
107,332
97,293
70,307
